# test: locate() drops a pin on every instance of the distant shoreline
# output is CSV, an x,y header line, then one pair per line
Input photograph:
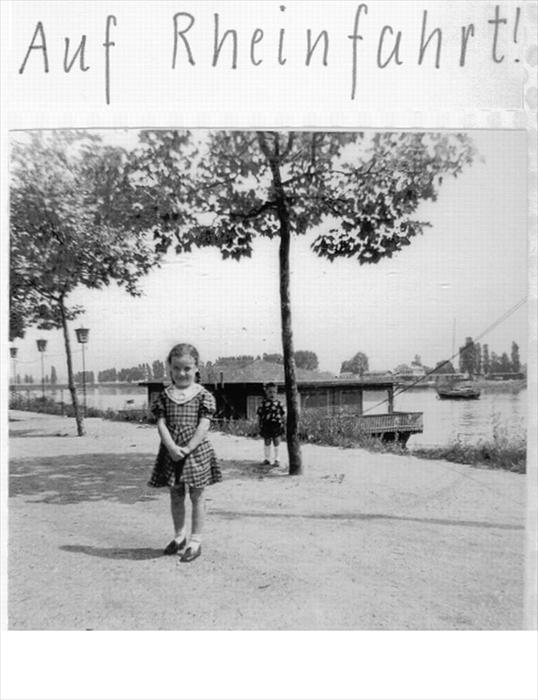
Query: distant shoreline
x,y
491,385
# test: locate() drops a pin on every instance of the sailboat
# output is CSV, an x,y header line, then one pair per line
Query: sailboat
x,y
460,389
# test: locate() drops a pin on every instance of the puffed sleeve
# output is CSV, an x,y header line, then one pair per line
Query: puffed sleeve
x,y
208,405
157,407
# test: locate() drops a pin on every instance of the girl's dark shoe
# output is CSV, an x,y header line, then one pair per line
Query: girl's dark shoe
x,y
174,547
190,554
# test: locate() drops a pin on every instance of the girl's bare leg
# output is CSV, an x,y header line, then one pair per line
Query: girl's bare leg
x,y
198,513
177,506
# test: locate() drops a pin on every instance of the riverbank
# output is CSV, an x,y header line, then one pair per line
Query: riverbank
x,y
361,541
504,449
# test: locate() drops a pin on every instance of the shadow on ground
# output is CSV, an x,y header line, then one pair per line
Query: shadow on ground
x,y
68,479
115,552
244,470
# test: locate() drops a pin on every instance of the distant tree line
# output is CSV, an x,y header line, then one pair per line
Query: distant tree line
x,y
305,359
89,377
138,373
51,378
476,359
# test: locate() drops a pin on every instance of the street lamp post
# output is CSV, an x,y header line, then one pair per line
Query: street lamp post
x,y
13,355
42,346
83,335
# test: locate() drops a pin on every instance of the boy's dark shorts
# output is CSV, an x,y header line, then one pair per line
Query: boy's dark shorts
x,y
271,430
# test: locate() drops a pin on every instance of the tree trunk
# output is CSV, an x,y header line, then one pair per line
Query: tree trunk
x,y
292,394
70,378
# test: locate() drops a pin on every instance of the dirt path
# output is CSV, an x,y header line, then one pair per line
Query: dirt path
x,y
362,541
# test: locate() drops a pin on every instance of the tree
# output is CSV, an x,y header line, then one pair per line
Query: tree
x,y
18,312
495,363
514,356
485,359
157,368
360,191
306,359
87,377
357,365
53,376
505,365
67,199
275,357
477,359
444,367
107,375
468,360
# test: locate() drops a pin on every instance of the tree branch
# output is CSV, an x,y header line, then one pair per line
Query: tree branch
x,y
289,145
264,147
253,213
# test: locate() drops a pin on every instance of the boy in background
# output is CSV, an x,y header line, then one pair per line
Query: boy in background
x,y
271,422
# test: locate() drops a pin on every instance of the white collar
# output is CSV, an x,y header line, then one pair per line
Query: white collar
x,y
181,396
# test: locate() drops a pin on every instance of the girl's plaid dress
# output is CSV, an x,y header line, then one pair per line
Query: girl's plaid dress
x,y
200,467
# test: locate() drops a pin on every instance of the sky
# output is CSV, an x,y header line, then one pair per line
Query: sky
x,y
464,273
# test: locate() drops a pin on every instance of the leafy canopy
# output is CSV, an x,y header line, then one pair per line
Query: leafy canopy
x,y
360,191
68,202
357,365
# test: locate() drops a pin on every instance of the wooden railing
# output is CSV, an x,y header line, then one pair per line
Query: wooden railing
x,y
398,421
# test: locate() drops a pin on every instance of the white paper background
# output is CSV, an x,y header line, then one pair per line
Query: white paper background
x,y
146,92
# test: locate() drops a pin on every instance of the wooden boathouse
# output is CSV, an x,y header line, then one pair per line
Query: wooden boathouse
x,y
240,400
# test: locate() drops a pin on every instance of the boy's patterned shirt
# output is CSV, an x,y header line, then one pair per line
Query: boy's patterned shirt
x,y
270,411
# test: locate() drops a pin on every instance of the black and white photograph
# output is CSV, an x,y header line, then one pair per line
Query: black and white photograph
x,y
269,342
298,358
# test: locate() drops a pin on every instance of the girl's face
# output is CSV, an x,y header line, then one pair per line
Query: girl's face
x,y
183,371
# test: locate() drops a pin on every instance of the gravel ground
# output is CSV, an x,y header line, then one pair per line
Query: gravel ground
x,y
360,542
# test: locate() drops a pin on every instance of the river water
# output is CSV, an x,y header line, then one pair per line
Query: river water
x,y
470,421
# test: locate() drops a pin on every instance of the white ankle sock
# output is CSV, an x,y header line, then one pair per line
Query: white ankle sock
x,y
180,536
276,452
195,541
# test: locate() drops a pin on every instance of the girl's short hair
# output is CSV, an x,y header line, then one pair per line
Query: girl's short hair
x,y
183,349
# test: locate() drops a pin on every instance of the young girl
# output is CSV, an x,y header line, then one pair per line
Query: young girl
x,y
271,422
186,460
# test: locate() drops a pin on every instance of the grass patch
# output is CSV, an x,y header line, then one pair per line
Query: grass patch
x,y
317,428
38,404
503,450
